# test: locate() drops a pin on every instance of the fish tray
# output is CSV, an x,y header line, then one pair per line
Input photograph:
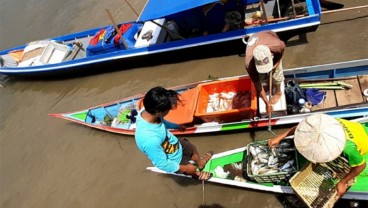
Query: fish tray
x,y
315,183
272,177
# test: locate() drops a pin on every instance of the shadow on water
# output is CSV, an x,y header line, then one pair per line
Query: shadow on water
x,y
210,206
292,201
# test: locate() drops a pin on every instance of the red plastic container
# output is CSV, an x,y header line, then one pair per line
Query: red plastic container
x,y
230,85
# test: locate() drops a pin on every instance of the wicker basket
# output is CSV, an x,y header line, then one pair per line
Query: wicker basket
x,y
315,183
266,178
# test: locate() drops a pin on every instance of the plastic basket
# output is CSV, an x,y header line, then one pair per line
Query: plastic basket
x,y
266,178
236,85
315,183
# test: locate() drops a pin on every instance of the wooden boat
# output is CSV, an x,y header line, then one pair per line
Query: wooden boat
x,y
358,191
114,116
159,31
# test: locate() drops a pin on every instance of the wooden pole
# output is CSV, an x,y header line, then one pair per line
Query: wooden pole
x,y
116,28
126,1
293,6
345,9
264,14
269,100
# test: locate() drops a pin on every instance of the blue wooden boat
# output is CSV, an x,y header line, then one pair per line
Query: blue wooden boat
x,y
161,29
118,117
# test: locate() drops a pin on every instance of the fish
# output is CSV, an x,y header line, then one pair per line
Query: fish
x,y
284,150
288,164
288,170
255,150
273,161
263,160
237,166
255,167
274,152
284,144
282,155
267,170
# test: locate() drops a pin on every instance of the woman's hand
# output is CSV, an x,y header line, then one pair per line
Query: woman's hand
x,y
269,108
274,141
181,127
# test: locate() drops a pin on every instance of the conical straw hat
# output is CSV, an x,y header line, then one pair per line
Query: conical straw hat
x,y
320,138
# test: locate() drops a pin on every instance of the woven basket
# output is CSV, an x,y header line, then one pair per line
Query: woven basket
x,y
315,183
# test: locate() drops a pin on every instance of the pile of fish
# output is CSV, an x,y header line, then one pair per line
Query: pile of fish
x,y
225,101
265,160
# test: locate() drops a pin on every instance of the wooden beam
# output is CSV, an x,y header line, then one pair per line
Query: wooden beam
x,y
116,28
264,14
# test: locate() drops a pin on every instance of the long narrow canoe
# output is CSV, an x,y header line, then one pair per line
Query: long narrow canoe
x,y
346,103
159,30
359,191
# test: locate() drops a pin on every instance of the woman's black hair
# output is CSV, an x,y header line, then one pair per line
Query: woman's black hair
x,y
159,99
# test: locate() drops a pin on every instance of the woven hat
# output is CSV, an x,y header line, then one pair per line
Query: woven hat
x,y
263,59
320,138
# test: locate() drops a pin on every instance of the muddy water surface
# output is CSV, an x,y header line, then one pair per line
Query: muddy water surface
x,y
48,162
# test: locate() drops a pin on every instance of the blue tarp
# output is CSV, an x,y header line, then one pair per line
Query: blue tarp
x,y
155,9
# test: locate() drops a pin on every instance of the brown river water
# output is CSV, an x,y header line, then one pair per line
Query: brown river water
x,y
49,162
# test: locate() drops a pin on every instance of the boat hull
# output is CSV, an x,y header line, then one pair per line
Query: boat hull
x,y
329,71
131,57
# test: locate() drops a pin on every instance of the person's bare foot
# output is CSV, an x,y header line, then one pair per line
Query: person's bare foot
x,y
275,98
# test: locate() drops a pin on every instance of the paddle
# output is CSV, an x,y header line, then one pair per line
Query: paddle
x,y
116,28
269,129
269,100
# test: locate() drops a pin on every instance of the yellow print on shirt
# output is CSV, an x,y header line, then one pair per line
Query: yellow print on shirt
x,y
169,148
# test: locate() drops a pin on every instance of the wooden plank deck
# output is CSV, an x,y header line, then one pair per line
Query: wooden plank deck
x,y
335,98
349,96
363,81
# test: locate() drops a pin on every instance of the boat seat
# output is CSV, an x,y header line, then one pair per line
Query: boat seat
x,y
184,113
279,108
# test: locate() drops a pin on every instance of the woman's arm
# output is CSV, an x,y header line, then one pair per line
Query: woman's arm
x,y
343,184
276,140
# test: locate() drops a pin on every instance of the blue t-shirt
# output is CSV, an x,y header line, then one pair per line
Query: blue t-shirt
x,y
149,138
